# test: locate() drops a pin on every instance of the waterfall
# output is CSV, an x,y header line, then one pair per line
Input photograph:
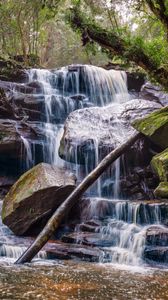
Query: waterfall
x,y
70,88
123,223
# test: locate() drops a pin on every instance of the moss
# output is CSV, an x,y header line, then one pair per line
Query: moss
x,y
162,190
160,164
155,126
21,189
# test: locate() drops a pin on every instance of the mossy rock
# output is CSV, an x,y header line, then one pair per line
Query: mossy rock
x,y
36,195
155,126
162,190
160,165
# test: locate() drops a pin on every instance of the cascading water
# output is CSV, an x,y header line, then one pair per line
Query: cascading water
x,y
124,223
124,226
71,88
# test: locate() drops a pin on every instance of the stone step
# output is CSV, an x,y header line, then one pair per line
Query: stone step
x,y
108,235
87,238
89,226
141,212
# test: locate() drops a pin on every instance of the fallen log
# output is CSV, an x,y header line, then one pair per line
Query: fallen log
x,y
65,207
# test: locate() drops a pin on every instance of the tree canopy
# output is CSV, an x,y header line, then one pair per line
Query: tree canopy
x,y
109,30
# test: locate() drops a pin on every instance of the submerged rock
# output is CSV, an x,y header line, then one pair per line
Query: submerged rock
x,y
155,126
35,196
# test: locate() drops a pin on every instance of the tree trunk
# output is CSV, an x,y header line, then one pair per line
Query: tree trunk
x,y
22,38
65,207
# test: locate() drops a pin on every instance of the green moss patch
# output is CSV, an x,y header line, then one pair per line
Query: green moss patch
x,y
155,126
160,165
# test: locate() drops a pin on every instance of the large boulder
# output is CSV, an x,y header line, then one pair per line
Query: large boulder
x,y
36,195
155,126
102,127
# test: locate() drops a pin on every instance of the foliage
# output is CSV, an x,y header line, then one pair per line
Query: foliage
x,y
39,28
22,25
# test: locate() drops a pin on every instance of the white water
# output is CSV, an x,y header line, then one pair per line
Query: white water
x,y
125,226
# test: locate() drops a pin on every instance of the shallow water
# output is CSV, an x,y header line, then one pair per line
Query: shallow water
x,y
72,280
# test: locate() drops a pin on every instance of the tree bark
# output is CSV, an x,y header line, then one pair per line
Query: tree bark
x,y
65,207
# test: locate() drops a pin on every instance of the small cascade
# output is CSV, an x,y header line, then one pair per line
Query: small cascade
x,y
28,151
12,246
138,212
129,228
104,86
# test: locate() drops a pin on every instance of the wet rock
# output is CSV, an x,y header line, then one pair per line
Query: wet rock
x,y
37,86
88,128
69,251
155,127
162,190
78,97
135,81
90,239
34,102
53,250
35,195
154,93
10,137
10,141
157,254
5,185
157,236
90,226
